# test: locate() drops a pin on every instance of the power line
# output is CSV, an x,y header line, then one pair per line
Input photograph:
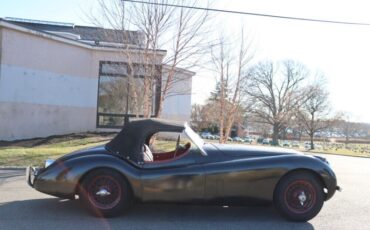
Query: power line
x,y
251,14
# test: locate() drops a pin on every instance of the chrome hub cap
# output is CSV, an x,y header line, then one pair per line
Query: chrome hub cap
x,y
102,192
302,198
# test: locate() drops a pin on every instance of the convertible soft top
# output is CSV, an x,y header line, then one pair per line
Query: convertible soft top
x,y
134,134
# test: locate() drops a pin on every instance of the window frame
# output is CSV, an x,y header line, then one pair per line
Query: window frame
x,y
126,116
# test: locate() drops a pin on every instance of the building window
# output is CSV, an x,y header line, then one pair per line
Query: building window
x,y
121,92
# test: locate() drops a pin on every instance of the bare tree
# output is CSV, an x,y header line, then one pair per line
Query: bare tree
x,y
189,43
349,129
313,114
205,116
181,31
277,94
230,64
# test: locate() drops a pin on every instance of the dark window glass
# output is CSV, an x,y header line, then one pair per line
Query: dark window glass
x,y
121,92
113,93
110,121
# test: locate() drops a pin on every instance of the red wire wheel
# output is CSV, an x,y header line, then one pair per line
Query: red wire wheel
x,y
105,193
299,196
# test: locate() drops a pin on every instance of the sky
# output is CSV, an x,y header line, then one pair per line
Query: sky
x,y
341,52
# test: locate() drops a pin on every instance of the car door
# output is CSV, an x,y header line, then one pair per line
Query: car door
x,y
235,177
181,180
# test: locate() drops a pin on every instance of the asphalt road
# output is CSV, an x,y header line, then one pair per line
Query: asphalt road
x,y
23,208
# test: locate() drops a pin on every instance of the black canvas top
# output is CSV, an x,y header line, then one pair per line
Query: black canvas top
x,y
134,134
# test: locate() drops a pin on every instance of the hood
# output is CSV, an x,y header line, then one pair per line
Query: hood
x,y
247,151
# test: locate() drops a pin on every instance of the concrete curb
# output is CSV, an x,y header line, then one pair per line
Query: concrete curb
x,y
335,154
13,167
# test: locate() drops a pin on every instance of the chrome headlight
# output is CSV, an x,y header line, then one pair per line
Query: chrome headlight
x,y
48,162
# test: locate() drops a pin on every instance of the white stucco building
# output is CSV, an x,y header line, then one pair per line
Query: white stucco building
x,y
58,78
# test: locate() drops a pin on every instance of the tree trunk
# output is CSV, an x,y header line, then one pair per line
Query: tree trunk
x,y
300,134
347,135
275,134
312,131
166,86
227,131
230,121
311,141
222,136
147,98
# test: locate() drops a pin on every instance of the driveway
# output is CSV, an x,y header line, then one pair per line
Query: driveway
x,y
23,208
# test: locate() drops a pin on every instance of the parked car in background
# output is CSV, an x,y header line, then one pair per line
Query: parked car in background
x,y
307,145
286,144
260,139
296,144
238,139
266,141
207,135
248,140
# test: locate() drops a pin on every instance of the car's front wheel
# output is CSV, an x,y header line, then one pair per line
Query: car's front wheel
x,y
299,196
105,193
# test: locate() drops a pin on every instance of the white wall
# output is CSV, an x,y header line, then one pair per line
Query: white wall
x,y
24,85
46,87
49,87
177,106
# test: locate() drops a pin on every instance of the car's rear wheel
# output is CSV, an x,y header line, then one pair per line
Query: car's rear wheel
x,y
105,193
299,196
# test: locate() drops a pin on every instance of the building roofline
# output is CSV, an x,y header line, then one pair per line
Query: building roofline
x,y
43,22
55,37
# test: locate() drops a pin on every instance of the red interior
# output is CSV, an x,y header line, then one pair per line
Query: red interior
x,y
167,156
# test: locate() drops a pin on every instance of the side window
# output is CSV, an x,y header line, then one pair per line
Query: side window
x,y
166,146
164,142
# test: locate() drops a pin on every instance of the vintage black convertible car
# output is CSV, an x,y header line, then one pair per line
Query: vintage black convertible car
x,y
108,179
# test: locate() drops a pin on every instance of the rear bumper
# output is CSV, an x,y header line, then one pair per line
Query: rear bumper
x,y
31,175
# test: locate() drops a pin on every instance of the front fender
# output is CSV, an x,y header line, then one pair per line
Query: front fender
x,y
62,178
317,165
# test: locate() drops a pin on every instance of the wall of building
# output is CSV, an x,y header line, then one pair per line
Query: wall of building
x,y
42,89
1,37
177,105
49,87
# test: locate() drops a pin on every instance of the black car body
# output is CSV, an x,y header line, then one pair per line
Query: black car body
x,y
108,178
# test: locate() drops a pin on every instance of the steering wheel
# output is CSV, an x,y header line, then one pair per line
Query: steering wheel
x,y
177,146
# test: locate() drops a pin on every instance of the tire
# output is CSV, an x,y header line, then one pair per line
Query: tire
x,y
105,193
299,196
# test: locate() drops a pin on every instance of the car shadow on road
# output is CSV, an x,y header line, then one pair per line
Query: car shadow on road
x,y
65,213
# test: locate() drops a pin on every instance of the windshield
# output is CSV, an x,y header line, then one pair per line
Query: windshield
x,y
195,138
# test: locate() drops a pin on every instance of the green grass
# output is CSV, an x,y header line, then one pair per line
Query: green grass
x,y
344,151
23,156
